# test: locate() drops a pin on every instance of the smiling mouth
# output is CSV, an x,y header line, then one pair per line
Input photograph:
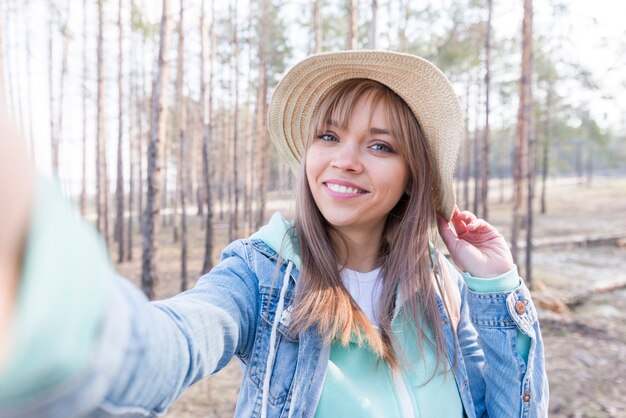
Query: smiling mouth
x,y
344,189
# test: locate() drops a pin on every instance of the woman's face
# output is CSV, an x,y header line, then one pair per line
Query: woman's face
x,y
357,174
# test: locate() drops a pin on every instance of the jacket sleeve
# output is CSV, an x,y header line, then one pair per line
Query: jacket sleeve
x,y
86,342
502,382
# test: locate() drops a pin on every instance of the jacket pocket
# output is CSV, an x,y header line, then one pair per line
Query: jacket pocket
x,y
286,348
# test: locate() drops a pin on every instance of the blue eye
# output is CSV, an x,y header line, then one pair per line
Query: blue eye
x,y
381,147
327,137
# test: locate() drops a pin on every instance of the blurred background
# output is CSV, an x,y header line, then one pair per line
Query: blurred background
x,y
152,116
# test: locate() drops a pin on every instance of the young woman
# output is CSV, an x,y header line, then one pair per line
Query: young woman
x,y
349,311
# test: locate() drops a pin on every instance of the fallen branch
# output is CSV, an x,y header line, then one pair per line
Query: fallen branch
x,y
586,294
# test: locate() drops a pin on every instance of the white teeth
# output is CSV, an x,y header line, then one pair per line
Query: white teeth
x,y
342,189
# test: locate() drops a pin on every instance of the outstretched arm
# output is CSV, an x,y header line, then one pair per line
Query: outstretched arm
x,y
16,194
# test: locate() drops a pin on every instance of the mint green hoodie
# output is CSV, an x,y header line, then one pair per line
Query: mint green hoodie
x,y
359,384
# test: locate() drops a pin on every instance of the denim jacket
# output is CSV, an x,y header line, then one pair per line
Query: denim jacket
x,y
147,353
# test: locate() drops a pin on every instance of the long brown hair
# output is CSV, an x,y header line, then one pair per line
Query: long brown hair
x,y
321,298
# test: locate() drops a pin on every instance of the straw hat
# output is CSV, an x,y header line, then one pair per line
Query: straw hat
x,y
419,83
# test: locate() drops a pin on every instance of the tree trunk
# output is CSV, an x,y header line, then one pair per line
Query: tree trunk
x,y
523,128
29,61
402,37
484,174
476,154
262,150
353,30
158,126
54,138
83,184
66,40
373,35
101,176
546,147
589,164
182,125
132,141
206,100
119,190
250,135
14,67
235,127
530,196
466,147
143,139
317,26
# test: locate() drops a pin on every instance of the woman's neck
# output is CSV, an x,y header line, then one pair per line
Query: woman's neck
x,y
359,251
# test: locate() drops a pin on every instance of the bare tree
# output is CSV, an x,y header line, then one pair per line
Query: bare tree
x,y
262,151
250,136
83,184
206,100
29,60
353,18
235,126
158,119
546,144
119,190
181,123
373,35
54,138
484,174
466,145
317,26
66,40
523,128
101,171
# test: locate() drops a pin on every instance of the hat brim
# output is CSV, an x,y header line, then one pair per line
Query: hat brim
x,y
424,88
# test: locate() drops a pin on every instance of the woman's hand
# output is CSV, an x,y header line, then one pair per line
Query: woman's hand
x,y
476,246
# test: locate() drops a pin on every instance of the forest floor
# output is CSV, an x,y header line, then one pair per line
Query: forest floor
x,y
585,347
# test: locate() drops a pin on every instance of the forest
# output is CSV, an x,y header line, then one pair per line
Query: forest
x,y
151,114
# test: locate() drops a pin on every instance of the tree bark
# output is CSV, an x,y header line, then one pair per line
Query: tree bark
x,y
317,26
206,100
235,127
262,151
250,135
373,35
353,30
484,174
29,61
467,147
546,147
119,190
66,40
54,138
101,174
523,128
158,127
182,125
83,185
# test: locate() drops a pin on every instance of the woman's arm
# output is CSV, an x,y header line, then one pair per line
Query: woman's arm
x,y
16,194
82,339
499,333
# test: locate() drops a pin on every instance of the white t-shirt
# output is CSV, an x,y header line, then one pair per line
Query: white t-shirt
x,y
365,289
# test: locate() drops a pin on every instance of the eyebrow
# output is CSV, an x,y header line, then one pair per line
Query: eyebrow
x,y
379,131
374,130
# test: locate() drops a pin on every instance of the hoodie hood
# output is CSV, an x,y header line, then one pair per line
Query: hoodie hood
x,y
280,236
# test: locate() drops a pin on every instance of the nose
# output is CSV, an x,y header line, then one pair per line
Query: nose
x,y
347,157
